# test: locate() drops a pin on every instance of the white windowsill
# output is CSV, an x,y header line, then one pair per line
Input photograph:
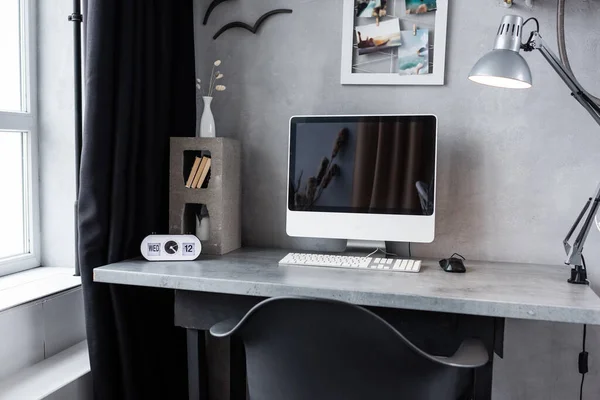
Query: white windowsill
x,y
34,284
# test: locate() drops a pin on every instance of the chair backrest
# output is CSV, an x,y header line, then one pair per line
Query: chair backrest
x,y
308,349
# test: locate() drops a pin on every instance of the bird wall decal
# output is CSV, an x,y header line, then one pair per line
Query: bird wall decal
x,y
211,8
249,28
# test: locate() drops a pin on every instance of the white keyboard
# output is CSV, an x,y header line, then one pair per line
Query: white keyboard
x,y
368,263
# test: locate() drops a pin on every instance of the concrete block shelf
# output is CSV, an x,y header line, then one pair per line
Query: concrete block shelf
x,y
222,195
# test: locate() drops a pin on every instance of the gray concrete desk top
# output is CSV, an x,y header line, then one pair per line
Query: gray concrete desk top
x,y
525,291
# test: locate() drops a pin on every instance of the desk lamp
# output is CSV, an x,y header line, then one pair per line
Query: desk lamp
x,y
505,67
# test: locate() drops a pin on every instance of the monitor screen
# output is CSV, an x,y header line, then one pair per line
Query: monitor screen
x,y
363,164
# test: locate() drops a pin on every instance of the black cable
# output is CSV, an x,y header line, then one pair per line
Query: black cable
x,y
537,23
583,362
527,45
409,251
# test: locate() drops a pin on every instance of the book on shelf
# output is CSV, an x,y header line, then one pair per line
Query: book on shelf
x,y
203,172
199,173
193,172
207,179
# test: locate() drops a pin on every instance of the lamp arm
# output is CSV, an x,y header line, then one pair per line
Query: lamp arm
x,y
575,225
577,91
574,253
574,257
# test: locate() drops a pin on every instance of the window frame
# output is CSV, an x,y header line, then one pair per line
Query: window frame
x,y
27,121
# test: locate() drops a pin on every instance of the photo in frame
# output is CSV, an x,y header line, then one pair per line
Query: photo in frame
x,y
420,6
371,8
376,59
413,55
376,37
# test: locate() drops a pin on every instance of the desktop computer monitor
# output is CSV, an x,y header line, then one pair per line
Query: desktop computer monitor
x,y
364,178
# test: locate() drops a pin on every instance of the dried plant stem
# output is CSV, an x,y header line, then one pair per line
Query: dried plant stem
x,y
212,85
319,192
328,170
297,188
215,86
320,188
212,77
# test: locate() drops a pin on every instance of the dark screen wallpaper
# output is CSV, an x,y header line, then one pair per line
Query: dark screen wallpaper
x,y
378,164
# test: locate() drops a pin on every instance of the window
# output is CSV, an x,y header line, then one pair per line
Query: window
x,y
19,219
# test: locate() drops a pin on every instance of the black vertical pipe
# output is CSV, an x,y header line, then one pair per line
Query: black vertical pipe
x,y
77,18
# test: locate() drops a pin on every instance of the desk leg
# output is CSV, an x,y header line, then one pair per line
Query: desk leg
x,y
483,382
237,369
197,369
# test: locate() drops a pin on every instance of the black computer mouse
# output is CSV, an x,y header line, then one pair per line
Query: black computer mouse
x,y
453,264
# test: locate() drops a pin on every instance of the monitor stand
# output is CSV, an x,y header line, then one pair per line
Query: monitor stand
x,y
363,247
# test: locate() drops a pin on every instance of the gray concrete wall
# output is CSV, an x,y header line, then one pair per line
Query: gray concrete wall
x,y
515,167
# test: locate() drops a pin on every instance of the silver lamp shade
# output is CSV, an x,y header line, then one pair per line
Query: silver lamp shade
x,y
504,66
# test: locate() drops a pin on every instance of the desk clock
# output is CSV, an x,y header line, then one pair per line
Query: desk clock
x,y
171,247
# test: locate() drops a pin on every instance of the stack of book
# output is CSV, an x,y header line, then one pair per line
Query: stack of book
x,y
199,175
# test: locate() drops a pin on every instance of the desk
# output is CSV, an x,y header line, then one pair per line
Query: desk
x,y
213,288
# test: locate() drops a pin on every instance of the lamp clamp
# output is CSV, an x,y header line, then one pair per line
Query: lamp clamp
x,y
533,42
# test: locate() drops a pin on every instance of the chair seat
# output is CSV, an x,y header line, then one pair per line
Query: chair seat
x,y
310,349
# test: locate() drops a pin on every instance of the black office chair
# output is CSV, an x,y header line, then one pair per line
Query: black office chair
x,y
312,349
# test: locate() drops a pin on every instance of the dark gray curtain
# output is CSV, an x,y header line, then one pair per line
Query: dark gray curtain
x,y
139,90
390,160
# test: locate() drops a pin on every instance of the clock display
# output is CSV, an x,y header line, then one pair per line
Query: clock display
x,y
154,249
188,249
171,247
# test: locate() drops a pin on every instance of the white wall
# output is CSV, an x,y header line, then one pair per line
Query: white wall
x,y
56,132
43,329
33,332
76,390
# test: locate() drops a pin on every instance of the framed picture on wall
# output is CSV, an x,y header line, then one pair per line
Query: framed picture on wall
x,y
394,42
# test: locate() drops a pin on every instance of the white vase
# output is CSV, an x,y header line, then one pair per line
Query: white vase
x,y
203,228
207,123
